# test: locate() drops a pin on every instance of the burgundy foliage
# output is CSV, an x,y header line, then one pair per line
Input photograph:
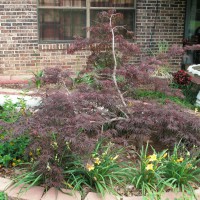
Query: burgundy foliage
x,y
90,112
182,78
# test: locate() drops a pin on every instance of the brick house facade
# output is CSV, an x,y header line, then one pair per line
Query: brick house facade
x,y
21,53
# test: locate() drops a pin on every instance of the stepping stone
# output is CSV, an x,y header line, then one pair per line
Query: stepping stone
x,y
197,192
54,194
95,196
5,183
133,198
173,195
31,101
34,193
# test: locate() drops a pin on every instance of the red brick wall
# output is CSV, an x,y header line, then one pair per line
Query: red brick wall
x,y
20,52
159,20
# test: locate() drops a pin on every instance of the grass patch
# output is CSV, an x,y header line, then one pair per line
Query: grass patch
x,y
163,98
3,196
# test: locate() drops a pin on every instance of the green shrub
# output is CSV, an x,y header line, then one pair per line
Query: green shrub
x,y
190,92
10,112
12,151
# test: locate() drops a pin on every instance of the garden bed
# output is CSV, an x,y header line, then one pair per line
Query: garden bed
x,y
95,132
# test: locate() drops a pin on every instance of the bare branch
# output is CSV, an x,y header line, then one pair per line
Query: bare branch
x,y
115,63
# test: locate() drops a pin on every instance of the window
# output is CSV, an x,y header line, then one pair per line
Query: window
x,y
192,31
61,20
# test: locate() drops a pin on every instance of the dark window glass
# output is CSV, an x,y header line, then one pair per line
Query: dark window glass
x,y
61,24
64,19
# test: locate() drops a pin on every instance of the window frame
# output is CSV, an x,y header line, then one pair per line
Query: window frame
x,y
88,8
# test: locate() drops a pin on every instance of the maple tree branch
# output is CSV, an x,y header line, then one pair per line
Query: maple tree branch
x,y
115,63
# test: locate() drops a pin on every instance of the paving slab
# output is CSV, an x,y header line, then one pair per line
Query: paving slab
x,y
133,198
30,101
34,193
54,194
197,192
173,195
95,196
5,183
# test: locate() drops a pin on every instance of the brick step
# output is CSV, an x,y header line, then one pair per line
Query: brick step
x,y
21,79
38,193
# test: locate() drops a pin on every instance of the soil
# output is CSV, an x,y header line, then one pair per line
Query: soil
x,y
7,172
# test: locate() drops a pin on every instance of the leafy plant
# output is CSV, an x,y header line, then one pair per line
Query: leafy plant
x,y
87,78
157,172
10,111
102,172
28,177
163,46
38,78
148,173
190,92
182,169
3,196
12,151
181,78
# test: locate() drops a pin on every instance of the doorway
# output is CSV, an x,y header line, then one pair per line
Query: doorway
x,y
192,31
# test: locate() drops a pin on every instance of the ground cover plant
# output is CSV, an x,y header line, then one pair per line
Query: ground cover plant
x,y
102,105
12,149
3,196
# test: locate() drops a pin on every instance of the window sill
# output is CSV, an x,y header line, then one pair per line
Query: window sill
x,y
54,46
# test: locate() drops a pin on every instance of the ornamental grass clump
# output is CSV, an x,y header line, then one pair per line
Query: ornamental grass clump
x,y
148,172
175,170
181,169
102,172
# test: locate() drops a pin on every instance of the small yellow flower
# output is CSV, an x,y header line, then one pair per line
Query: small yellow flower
x,y
115,157
152,157
188,165
188,153
30,153
70,186
97,161
48,167
13,164
89,167
149,167
18,160
104,154
130,104
2,137
180,159
165,155
14,158
54,145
